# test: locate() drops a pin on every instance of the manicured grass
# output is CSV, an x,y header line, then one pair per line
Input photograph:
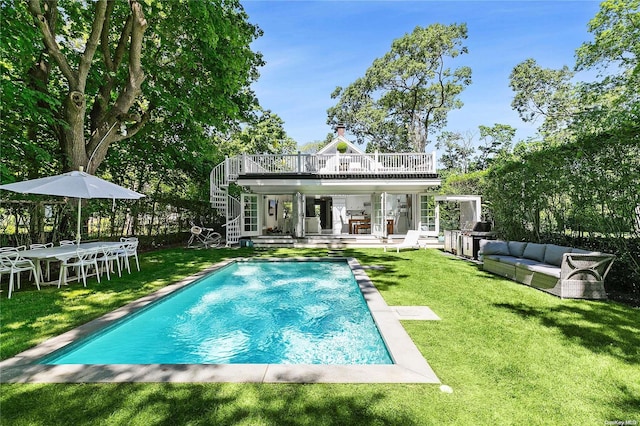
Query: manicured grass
x,y
512,355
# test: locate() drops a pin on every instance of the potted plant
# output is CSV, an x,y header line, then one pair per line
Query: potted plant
x,y
342,147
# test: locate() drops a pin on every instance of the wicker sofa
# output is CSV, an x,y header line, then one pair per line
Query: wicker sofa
x,y
563,271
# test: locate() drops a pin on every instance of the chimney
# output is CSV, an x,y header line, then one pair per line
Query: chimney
x,y
340,129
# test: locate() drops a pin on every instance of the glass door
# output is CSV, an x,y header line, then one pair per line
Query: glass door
x,y
250,217
378,217
428,216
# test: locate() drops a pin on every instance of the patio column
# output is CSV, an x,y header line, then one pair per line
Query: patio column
x,y
299,215
339,212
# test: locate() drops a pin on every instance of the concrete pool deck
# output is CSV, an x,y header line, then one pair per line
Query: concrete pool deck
x,y
409,364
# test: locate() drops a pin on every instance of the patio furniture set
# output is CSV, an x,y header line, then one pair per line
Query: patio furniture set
x,y
562,271
94,257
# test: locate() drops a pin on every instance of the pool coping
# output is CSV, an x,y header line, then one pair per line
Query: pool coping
x,y
409,366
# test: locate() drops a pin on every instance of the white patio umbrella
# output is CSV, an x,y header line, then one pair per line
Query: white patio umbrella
x,y
77,184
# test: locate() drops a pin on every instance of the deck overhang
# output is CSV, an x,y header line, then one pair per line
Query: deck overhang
x,y
338,184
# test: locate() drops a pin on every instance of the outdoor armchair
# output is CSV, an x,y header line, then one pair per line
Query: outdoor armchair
x,y
82,261
129,248
39,246
107,257
13,264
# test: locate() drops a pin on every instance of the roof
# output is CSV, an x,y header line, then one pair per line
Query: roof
x,y
332,146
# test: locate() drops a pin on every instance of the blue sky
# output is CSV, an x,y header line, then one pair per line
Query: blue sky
x,y
310,47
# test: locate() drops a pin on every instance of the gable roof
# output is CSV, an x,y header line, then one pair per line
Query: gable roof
x,y
332,146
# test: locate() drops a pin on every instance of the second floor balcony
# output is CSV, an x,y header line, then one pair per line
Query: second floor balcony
x,y
333,165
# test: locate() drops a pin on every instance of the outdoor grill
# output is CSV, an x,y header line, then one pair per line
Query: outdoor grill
x,y
471,237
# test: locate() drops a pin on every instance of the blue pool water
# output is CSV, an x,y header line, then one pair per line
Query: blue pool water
x,y
246,313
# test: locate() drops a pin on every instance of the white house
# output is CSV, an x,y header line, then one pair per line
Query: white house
x,y
329,193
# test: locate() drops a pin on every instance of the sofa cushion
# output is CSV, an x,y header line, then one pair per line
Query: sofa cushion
x,y
534,251
542,268
502,258
553,254
581,251
528,262
516,248
496,247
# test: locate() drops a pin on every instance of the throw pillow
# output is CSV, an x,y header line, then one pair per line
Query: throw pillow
x,y
496,247
534,251
553,254
516,248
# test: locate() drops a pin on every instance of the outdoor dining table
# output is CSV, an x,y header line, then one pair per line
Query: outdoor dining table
x,y
62,252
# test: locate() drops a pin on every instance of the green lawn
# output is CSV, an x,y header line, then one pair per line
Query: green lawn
x,y
512,355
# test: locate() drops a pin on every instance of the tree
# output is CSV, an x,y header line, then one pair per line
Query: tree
x,y
196,55
614,54
457,151
73,49
311,147
497,141
543,93
266,135
405,96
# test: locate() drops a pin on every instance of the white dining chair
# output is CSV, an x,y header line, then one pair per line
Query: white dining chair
x,y
67,242
7,249
38,246
13,264
107,257
129,248
82,261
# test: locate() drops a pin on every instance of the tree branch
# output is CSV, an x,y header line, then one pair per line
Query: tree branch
x,y
122,43
49,40
136,76
92,44
104,38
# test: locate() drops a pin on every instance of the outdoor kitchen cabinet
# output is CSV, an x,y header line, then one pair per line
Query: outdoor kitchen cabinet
x,y
452,242
467,246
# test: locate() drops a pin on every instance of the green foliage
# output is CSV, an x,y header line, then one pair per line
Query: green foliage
x,y
313,147
263,135
616,30
543,93
198,67
27,111
497,142
405,96
342,147
465,183
614,54
456,152
585,189
580,184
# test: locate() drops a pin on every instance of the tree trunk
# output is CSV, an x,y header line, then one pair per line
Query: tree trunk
x,y
73,139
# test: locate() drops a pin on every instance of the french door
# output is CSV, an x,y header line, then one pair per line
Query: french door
x,y
250,217
428,215
378,218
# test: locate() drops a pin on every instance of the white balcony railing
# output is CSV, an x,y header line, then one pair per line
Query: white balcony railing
x,y
327,164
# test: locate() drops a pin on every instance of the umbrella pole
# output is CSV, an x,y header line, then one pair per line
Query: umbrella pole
x,y
79,217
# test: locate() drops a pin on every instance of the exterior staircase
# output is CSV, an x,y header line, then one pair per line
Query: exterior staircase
x,y
224,203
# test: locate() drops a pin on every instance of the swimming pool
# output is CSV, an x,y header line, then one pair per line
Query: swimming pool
x,y
252,312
